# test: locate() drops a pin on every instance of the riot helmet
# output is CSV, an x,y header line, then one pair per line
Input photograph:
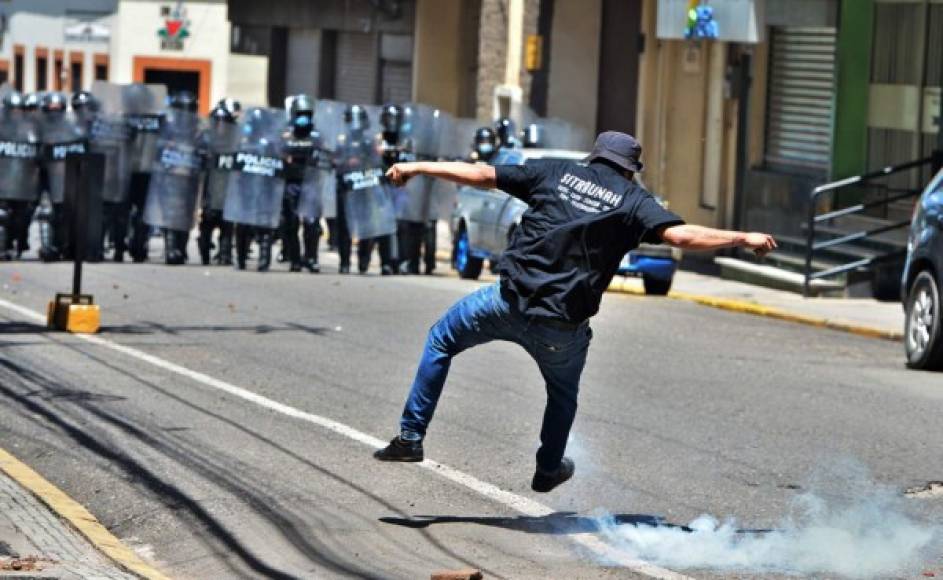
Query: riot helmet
x,y
222,114
183,101
532,137
31,102
85,101
13,101
504,130
391,121
356,118
301,113
54,103
229,104
486,143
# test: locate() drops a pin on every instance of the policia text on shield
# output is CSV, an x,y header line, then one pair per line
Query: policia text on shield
x,y
582,219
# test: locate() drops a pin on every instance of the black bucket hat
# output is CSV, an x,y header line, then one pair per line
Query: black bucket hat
x,y
619,148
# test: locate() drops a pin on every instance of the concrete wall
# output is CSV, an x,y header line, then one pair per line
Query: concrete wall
x,y
137,25
42,24
248,79
493,51
574,62
437,61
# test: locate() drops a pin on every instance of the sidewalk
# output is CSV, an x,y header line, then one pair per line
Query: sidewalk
x,y
45,534
859,316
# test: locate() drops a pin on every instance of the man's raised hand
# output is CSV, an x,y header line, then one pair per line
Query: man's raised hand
x,y
399,174
761,244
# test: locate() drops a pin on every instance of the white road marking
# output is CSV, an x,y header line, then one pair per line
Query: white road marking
x,y
521,504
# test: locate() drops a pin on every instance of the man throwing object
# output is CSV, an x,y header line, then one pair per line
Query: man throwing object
x,y
582,219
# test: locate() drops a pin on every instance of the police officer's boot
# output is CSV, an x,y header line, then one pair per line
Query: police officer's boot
x,y
290,243
265,250
205,241
172,254
4,229
429,246
364,253
48,250
224,257
242,246
312,237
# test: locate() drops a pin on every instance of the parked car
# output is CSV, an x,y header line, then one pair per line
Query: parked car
x,y
484,220
923,279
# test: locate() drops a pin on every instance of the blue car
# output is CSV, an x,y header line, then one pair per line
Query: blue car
x,y
923,279
484,220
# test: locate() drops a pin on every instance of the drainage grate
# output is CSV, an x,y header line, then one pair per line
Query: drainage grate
x,y
930,490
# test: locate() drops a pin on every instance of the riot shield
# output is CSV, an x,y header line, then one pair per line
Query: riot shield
x,y
329,123
175,176
422,136
19,157
317,171
220,141
61,136
142,108
367,204
110,135
455,143
256,182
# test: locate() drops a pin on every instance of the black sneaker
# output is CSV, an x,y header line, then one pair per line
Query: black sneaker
x,y
545,481
400,450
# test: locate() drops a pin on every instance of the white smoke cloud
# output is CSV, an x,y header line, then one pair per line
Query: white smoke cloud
x,y
869,535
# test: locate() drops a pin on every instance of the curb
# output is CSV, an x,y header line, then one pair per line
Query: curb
x,y
79,517
755,309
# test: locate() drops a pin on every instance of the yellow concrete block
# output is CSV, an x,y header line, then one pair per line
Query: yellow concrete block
x,y
83,318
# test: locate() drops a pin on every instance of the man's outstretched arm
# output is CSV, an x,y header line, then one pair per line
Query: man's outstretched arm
x,y
692,237
476,175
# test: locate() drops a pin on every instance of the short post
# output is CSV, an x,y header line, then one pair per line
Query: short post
x,y
810,246
77,312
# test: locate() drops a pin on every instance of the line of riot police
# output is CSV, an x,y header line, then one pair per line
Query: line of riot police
x,y
258,175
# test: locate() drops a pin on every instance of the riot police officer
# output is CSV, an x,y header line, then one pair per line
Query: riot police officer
x,y
142,109
61,136
219,143
394,146
175,178
301,148
505,130
256,184
485,145
364,208
19,175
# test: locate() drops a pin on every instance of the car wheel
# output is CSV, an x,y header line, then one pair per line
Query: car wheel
x,y
656,286
922,334
468,266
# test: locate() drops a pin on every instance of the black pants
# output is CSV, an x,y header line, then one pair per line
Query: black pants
x,y
211,220
429,245
365,252
410,237
115,227
291,244
140,232
341,231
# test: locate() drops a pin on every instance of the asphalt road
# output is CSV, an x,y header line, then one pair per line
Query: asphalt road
x,y
684,410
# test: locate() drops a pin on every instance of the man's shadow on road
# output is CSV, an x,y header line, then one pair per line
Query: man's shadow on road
x,y
558,523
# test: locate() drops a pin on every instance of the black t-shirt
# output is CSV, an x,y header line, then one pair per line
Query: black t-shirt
x,y
581,221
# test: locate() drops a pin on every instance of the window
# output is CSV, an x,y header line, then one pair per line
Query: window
x,y
101,67
801,99
18,66
42,69
75,71
58,70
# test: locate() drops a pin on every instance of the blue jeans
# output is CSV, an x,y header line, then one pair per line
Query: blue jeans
x,y
484,316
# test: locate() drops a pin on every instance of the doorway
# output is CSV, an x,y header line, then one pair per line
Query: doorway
x,y
177,74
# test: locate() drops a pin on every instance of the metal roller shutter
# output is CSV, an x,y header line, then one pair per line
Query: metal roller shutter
x,y
801,98
356,68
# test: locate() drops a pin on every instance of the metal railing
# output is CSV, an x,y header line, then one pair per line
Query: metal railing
x,y
812,246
